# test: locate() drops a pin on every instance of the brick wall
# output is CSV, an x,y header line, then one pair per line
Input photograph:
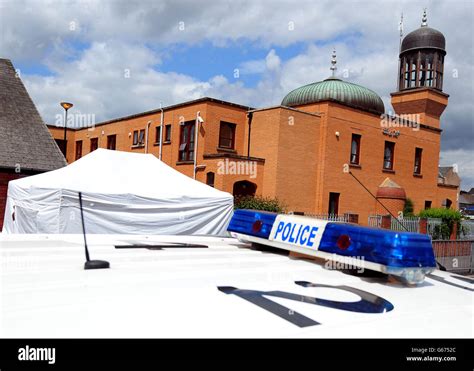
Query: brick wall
x,y
304,157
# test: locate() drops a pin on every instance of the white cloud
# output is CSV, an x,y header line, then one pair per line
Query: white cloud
x,y
272,61
115,36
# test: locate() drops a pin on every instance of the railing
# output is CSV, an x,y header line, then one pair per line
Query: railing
x,y
329,217
405,224
455,255
467,230
412,224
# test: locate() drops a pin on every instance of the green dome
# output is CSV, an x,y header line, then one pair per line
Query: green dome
x,y
333,89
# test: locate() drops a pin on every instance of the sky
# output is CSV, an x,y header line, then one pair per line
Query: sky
x,y
119,57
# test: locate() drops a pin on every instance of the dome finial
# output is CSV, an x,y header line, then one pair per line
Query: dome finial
x,y
333,63
424,20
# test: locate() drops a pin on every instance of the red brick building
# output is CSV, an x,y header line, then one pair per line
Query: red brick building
x,y
302,151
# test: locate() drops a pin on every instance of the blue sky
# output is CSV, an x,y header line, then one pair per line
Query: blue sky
x,y
113,58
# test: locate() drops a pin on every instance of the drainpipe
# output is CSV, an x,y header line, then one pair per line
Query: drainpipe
x,y
161,129
249,116
147,129
196,137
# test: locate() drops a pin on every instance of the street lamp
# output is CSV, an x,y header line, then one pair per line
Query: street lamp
x,y
66,107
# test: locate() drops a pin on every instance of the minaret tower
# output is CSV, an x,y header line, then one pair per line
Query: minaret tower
x,y
420,75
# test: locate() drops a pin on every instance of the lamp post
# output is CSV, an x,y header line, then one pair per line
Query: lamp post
x,y
66,107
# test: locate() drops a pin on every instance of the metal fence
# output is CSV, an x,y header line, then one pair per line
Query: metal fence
x,y
413,225
455,255
467,230
375,221
405,224
329,217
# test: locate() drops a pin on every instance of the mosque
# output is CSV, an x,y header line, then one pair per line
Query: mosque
x,y
328,148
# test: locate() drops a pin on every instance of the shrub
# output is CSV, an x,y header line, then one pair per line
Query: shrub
x,y
408,208
258,203
448,216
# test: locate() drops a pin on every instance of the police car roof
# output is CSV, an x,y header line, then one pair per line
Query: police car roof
x,y
173,292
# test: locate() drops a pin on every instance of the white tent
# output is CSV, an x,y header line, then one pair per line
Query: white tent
x,y
122,192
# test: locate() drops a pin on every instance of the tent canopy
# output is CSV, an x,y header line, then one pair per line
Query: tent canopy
x,y
122,192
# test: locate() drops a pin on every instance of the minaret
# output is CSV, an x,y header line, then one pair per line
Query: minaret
x,y
420,75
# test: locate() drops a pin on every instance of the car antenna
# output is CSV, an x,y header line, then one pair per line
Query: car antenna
x,y
90,264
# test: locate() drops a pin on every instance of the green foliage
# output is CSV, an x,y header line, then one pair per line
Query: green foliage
x,y
408,208
258,203
448,216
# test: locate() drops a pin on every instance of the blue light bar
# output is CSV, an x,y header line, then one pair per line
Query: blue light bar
x,y
252,223
405,254
392,248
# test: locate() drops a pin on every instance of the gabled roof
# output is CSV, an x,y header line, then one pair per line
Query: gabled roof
x,y
25,141
444,170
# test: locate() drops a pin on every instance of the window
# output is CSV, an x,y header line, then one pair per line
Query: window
x,y
388,155
417,167
78,149
186,144
111,141
210,176
227,135
94,144
355,149
427,205
139,137
333,203
157,135
168,133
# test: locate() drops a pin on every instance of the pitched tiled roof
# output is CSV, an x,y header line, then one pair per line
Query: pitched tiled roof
x,y
25,140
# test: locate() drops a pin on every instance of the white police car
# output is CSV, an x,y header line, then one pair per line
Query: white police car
x,y
197,286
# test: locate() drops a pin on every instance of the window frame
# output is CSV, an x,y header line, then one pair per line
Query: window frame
x,y
186,141
233,128
78,149
417,165
390,145
138,138
157,134
167,136
357,138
